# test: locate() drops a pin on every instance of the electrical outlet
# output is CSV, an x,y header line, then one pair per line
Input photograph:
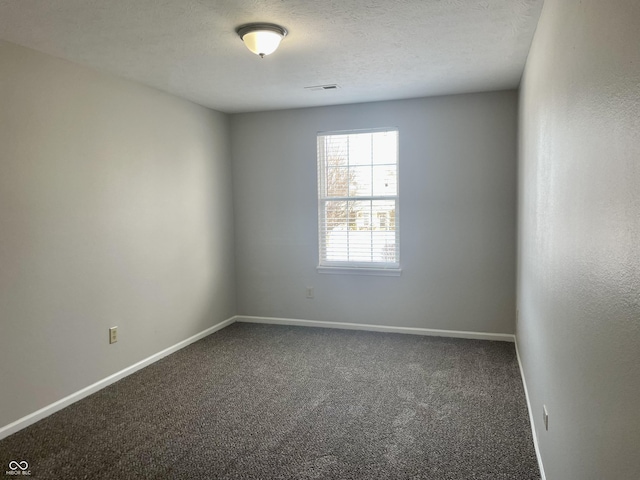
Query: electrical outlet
x,y
309,292
113,334
545,416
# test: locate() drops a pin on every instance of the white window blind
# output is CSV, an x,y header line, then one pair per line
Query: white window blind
x,y
358,199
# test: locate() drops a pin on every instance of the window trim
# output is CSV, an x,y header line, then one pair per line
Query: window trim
x,y
359,268
382,272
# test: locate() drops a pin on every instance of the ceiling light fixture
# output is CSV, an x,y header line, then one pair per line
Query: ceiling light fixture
x,y
261,38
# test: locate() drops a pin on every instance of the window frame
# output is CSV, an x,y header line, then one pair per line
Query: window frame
x,y
356,267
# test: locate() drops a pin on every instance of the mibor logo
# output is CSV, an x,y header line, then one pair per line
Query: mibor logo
x,y
18,468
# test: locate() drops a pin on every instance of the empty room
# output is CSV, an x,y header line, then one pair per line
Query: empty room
x,y
295,239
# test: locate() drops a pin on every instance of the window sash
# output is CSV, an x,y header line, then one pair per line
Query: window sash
x,y
358,230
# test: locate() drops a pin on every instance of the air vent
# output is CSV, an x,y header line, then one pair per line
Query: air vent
x,y
316,88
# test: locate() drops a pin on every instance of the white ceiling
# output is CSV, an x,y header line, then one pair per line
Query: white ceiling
x,y
373,49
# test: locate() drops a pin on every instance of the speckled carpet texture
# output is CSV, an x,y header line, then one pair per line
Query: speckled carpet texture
x,y
274,402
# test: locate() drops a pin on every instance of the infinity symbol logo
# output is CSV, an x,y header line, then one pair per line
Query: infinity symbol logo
x,y
13,465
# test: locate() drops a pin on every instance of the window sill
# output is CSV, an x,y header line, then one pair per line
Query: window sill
x,y
382,272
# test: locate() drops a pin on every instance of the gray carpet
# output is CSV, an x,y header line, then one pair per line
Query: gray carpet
x,y
274,402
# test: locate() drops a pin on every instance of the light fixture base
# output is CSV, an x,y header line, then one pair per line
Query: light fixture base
x,y
242,30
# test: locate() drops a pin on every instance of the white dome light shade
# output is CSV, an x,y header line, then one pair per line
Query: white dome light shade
x,y
262,42
261,38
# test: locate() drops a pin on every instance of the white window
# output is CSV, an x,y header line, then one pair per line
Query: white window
x,y
358,201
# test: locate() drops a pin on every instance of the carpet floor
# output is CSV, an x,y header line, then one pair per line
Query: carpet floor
x,y
277,402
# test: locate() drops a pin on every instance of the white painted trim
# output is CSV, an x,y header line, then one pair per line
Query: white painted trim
x,y
378,328
44,412
99,385
533,425
380,272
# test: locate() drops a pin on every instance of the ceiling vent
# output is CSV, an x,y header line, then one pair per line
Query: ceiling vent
x,y
316,88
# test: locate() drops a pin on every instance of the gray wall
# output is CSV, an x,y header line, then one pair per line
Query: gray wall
x,y
457,212
579,237
115,209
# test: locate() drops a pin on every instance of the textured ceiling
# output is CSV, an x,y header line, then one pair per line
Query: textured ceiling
x,y
373,49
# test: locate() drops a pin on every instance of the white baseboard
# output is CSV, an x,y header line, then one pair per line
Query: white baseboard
x,y
85,392
44,412
378,328
533,425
